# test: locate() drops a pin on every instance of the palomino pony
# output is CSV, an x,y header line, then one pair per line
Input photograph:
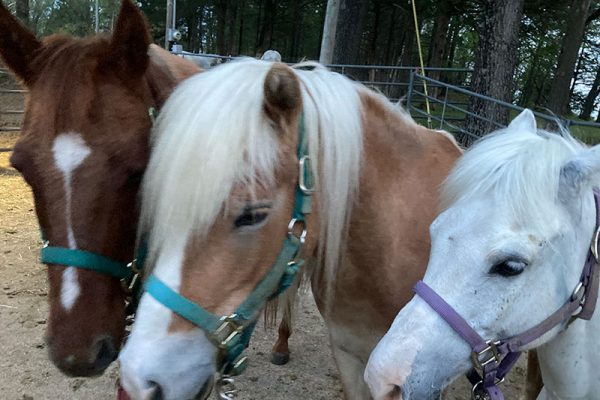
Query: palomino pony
x,y
271,167
83,150
507,256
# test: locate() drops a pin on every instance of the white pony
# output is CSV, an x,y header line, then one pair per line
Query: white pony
x,y
506,253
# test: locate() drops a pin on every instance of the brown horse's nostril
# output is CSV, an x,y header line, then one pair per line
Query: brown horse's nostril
x,y
106,353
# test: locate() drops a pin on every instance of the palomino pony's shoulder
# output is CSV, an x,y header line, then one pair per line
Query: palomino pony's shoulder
x,y
179,68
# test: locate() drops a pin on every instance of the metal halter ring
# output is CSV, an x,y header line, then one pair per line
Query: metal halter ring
x,y
594,246
226,389
291,227
302,181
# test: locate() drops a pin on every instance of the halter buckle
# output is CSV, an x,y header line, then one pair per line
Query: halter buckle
x,y
227,331
133,266
307,186
489,354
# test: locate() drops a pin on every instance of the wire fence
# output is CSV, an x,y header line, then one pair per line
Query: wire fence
x,y
449,111
449,97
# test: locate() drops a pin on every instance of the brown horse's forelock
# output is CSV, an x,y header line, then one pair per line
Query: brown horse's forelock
x,y
68,71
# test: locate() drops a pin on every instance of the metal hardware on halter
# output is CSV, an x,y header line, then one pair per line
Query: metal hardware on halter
x,y
228,331
478,391
594,246
292,224
578,292
494,356
303,163
226,389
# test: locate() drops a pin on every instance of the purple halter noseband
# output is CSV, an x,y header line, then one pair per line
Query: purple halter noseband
x,y
495,358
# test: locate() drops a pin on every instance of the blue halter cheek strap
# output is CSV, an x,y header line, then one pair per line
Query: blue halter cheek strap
x,y
231,334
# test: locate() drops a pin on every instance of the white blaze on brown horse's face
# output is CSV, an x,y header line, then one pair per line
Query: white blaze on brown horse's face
x,y
245,186
83,149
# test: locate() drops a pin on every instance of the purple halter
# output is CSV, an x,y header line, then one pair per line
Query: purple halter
x,y
495,358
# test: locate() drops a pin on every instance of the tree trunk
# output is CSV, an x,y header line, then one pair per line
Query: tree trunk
x,y
495,63
349,31
22,7
590,99
575,28
329,29
266,30
297,32
241,30
439,37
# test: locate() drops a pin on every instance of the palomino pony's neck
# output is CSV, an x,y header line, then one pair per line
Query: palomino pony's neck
x,y
403,167
165,71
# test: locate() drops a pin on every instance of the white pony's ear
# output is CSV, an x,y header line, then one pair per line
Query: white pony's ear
x,y
580,173
524,122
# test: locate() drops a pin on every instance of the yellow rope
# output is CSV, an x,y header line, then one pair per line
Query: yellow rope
x,y
414,8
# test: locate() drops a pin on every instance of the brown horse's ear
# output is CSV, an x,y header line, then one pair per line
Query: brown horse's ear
x,y
283,97
18,46
130,41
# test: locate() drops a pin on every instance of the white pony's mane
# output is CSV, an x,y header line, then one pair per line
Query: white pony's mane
x,y
516,168
213,134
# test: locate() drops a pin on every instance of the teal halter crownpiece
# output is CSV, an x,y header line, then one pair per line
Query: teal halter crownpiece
x,y
231,334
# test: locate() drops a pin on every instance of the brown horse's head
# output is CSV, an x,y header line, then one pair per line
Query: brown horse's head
x,y
83,150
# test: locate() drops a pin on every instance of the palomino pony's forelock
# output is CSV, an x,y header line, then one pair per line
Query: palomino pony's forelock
x,y
523,172
204,143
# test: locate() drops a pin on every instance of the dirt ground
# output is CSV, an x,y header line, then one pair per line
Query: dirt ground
x,y
27,374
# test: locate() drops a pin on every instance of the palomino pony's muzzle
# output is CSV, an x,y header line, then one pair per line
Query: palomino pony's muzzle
x,y
495,358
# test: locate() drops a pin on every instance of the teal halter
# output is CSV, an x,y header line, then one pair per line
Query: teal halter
x,y
128,272
231,334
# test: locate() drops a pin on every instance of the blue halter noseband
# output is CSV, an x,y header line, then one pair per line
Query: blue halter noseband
x,y
231,334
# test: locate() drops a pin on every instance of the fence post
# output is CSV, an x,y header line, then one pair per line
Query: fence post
x,y
411,81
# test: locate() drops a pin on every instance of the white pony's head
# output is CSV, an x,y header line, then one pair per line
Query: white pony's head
x,y
506,253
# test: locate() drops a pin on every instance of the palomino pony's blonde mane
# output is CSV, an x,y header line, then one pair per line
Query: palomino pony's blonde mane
x,y
513,167
213,134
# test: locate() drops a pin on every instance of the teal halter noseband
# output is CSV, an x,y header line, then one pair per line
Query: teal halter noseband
x,y
231,334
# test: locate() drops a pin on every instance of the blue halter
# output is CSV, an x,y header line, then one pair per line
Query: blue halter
x,y
231,334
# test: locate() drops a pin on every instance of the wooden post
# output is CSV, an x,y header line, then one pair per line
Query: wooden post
x,y
328,43
169,25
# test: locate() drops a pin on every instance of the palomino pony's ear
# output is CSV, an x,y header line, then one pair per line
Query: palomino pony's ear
x,y
524,122
130,42
18,46
283,97
580,173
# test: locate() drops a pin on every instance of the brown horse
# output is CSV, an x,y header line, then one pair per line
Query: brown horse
x,y
217,201
83,149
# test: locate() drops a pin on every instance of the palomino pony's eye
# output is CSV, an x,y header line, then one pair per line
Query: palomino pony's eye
x,y
252,215
249,218
508,268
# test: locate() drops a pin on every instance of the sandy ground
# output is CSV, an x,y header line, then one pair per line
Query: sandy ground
x,y
27,374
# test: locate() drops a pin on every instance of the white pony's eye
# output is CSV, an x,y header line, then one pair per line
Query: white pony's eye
x,y
508,268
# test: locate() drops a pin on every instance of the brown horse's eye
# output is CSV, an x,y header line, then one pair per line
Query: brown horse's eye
x,y
249,218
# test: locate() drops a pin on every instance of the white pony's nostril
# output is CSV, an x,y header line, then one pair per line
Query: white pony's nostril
x,y
153,392
394,394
